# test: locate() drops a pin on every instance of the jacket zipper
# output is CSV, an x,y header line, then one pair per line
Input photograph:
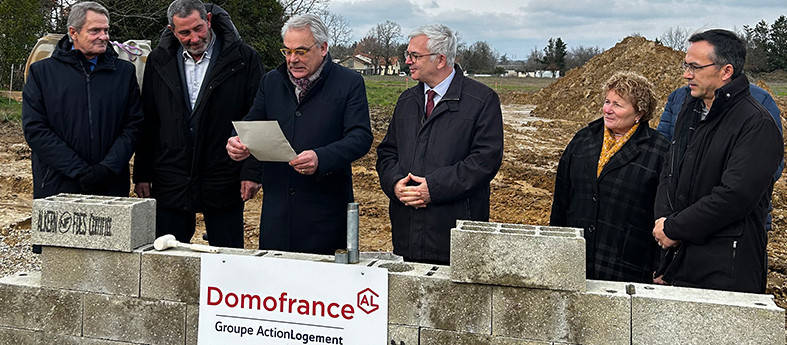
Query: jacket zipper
x,y
734,249
46,176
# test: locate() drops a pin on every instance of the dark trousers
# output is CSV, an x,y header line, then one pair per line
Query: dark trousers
x,y
224,226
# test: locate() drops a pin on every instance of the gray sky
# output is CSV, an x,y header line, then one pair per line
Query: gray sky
x,y
515,27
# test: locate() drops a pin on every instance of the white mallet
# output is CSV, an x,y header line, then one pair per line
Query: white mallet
x,y
169,241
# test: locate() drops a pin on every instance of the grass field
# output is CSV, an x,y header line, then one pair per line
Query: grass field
x,y
385,90
10,110
779,88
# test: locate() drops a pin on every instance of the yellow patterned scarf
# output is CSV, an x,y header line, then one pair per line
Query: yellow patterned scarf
x,y
610,146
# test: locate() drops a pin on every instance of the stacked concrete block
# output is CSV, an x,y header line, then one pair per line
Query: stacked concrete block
x,y
439,336
601,315
12,336
422,295
173,274
192,323
673,315
518,255
402,335
93,222
134,320
25,305
91,270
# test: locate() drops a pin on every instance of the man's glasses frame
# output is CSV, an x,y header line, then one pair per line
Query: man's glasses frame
x,y
414,57
297,51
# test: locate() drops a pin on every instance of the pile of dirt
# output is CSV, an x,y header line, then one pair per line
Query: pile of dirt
x,y
577,96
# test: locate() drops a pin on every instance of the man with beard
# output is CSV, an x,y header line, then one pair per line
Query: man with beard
x,y
199,79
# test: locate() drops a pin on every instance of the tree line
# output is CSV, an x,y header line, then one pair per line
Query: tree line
x,y
259,24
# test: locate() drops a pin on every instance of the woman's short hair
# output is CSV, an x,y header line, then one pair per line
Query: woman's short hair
x,y
636,89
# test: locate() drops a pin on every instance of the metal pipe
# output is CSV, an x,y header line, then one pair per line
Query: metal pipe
x,y
352,232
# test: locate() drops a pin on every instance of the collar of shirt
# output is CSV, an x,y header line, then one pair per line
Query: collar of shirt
x,y
94,61
440,89
206,55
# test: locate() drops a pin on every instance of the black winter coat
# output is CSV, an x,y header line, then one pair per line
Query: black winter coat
x,y
459,149
73,119
615,209
714,192
308,213
197,174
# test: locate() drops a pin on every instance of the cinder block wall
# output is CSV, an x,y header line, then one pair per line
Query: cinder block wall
x,y
142,296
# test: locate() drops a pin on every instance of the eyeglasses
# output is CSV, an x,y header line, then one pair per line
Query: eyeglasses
x,y
691,68
297,51
414,57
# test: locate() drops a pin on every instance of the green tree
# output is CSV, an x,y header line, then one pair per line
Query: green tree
x,y
555,55
777,45
21,25
259,24
756,47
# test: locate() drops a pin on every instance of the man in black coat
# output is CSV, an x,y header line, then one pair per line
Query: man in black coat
x,y
198,80
322,110
443,147
715,187
81,112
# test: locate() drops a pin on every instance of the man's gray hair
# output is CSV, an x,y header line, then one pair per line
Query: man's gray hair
x,y
183,8
441,40
78,13
307,21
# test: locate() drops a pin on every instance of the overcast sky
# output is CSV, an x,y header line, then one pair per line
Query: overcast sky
x,y
515,27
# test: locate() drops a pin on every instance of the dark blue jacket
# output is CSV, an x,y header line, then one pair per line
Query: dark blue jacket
x,y
73,119
307,213
458,149
675,101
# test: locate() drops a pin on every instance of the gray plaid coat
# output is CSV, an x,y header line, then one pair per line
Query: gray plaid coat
x,y
616,209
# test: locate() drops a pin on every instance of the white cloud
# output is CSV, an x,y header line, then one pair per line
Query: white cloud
x,y
515,27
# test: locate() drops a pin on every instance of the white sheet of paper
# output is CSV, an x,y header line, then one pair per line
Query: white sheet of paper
x,y
265,140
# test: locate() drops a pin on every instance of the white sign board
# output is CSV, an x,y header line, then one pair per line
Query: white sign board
x,y
259,300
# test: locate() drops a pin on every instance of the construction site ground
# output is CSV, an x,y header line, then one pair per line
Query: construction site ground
x,y
521,191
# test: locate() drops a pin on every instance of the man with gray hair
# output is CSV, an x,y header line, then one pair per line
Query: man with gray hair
x,y
81,111
443,147
322,109
199,79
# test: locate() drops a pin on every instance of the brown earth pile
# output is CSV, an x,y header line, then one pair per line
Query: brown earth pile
x,y
577,96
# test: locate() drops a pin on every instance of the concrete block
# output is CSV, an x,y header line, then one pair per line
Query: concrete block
x,y
192,323
93,222
518,255
364,260
173,274
601,315
134,320
402,334
442,337
673,315
422,295
25,305
12,336
91,270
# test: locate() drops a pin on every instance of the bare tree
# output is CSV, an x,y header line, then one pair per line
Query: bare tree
x,y
338,28
296,7
578,56
675,37
381,42
535,61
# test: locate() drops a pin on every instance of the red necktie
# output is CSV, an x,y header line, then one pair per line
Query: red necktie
x,y
430,102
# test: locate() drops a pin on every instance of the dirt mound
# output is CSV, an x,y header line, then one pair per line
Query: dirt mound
x,y
577,95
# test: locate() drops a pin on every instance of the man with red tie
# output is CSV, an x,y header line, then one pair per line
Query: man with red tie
x,y
443,147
